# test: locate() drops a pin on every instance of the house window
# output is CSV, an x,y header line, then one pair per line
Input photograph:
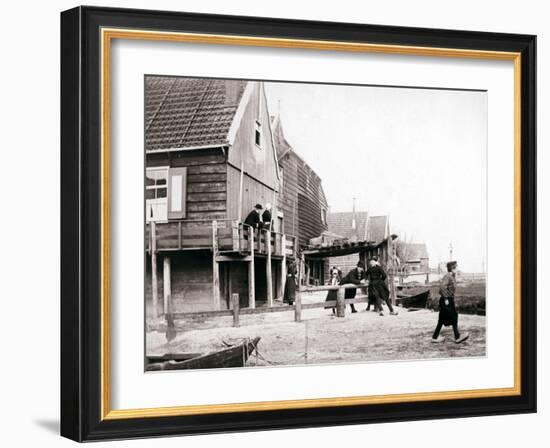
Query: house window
x,y
156,193
258,134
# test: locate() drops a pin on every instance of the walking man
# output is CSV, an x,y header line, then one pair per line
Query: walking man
x,y
447,311
378,290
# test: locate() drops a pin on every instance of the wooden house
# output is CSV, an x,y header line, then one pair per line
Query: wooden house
x,y
414,257
210,157
302,202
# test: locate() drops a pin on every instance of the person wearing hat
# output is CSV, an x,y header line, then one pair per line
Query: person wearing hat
x,y
266,217
447,310
378,290
254,219
356,277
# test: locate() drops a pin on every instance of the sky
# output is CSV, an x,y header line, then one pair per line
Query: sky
x,y
417,155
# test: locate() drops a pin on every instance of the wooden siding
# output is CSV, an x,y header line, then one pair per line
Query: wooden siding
x,y
253,192
288,199
206,181
259,162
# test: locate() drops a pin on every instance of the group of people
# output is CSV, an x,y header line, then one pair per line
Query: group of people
x,y
374,278
260,218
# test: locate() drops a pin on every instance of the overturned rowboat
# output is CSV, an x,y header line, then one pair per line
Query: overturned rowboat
x,y
233,356
414,301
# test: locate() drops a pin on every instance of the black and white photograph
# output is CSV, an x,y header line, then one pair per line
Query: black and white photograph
x,y
293,223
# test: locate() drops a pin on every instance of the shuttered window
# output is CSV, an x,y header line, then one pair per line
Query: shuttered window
x,y
177,193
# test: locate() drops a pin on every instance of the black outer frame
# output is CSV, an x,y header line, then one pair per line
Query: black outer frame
x,y
81,206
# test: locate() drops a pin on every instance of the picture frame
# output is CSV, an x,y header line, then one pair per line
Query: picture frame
x,y
86,211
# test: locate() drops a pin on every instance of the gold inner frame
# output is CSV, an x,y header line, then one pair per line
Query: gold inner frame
x,y
107,35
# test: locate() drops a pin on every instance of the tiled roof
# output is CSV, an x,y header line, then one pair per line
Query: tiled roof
x,y
377,228
188,112
343,224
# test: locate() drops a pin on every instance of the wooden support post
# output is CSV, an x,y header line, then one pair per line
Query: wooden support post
x,y
154,269
341,302
298,305
268,271
307,273
251,274
236,308
167,283
241,193
179,235
235,236
215,267
283,265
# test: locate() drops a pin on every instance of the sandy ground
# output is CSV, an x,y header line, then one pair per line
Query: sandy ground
x,y
324,338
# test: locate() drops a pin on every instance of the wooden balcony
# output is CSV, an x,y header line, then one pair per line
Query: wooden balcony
x,y
229,238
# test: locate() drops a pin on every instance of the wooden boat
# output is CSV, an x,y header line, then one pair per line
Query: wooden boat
x,y
413,301
233,356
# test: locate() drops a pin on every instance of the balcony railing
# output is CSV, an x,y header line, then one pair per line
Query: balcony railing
x,y
231,238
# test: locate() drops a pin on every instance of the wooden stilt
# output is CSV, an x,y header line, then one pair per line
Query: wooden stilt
x,y
154,269
215,267
251,274
167,283
268,271
283,265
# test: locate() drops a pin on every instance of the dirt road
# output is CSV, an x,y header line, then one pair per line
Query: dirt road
x,y
323,338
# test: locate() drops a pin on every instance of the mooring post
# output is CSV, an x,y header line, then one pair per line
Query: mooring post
x,y
167,283
236,308
341,302
298,305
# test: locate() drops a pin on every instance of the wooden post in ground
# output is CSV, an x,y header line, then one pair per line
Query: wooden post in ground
x,y
167,283
215,267
298,305
283,265
154,269
268,271
341,302
251,280
236,308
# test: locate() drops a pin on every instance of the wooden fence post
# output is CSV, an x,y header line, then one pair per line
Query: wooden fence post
x,y
236,308
298,305
154,269
341,302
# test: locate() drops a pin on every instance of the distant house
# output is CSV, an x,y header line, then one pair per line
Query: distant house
x,y
356,227
414,257
210,157
302,201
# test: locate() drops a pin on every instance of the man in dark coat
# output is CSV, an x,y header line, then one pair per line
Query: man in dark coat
x,y
378,290
447,310
266,217
254,219
356,276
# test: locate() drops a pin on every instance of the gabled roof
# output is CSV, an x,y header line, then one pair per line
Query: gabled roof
x,y
281,144
377,228
189,112
350,225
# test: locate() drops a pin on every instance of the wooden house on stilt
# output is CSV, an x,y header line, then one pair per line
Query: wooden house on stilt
x,y
210,157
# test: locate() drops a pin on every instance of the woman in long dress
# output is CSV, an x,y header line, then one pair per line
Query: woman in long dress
x,y
335,278
291,284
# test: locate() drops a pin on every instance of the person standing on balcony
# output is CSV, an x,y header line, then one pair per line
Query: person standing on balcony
x,y
253,219
266,217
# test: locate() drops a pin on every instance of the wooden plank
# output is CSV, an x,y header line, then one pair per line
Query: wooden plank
x,y
204,187
235,235
207,197
236,305
283,265
215,267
